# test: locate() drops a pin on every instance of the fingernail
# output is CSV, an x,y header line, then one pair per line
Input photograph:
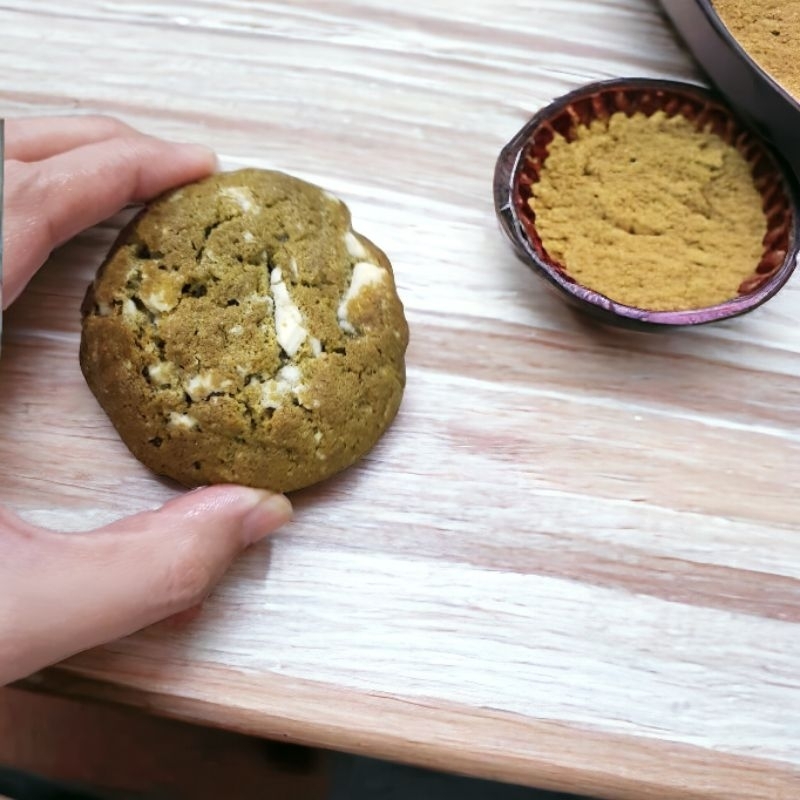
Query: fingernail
x,y
265,517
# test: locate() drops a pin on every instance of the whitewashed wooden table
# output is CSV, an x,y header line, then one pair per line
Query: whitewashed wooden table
x,y
574,561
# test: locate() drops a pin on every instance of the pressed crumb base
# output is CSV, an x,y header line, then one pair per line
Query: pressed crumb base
x,y
769,30
650,212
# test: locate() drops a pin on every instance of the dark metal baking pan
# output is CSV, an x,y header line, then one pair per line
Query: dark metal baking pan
x,y
757,96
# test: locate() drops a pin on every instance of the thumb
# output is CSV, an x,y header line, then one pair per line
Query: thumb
x,y
64,593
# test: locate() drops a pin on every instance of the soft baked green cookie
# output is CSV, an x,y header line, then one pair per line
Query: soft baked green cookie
x,y
240,331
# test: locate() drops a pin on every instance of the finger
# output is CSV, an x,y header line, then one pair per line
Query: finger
x,y
64,593
50,201
37,138
183,618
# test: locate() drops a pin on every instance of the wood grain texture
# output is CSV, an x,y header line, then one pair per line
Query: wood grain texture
x,y
574,560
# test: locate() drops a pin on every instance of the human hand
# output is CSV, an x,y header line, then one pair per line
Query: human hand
x,y
62,593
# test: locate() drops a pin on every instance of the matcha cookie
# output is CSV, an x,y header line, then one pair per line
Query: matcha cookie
x,y
240,331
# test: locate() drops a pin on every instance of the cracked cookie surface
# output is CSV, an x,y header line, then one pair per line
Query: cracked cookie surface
x,y
240,331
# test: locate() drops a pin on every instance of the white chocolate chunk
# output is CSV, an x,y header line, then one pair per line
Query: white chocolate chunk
x,y
129,309
182,420
293,266
316,346
161,372
248,237
103,310
271,396
241,196
289,328
156,302
354,246
236,330
199,387
364,274
318,437
287,381
291,374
